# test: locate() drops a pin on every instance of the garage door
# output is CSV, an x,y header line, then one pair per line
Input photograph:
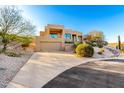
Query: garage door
x,y
51,46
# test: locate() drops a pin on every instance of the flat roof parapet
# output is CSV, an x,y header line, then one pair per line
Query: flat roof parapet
x,y
55,25
68,29
73,31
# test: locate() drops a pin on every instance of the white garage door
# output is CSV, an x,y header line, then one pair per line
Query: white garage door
x,y
50,46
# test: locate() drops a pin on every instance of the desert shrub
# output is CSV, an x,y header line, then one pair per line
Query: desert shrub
x,y
25,45
100,46
88,42
75,46
122,50
12,54
105,43
97,43
68,42
100,53
0,51
25,41
92,43
85,50
102,50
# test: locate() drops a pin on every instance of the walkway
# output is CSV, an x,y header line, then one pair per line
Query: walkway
x,y
43,67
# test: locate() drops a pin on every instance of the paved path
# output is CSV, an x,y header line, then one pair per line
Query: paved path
x,y
43,67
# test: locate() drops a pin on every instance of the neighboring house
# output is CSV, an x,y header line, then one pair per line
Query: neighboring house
x,y
96,33
57,38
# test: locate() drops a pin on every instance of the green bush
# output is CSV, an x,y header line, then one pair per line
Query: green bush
x,y
85,50
75,46
92,43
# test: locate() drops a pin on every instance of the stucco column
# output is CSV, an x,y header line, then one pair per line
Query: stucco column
x,y
63,39
75,38
71,38
37,42
47,30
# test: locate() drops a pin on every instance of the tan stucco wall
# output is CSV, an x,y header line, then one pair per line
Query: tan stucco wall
x,y
68,47
37,41
50,46
45,43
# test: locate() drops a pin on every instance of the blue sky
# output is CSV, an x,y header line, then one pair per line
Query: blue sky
x,y
109,19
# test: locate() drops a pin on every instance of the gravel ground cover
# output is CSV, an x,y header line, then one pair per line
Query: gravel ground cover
x,y
9,66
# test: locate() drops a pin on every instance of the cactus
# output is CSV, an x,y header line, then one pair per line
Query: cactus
x,y
119,42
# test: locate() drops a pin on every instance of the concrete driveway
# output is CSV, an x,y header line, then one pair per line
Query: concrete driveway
x,y
43,67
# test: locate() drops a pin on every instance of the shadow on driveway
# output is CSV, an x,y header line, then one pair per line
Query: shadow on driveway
x,y
85,76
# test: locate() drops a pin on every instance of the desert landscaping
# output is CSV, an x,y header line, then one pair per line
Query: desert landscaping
x,y
9,66
57,57
15,37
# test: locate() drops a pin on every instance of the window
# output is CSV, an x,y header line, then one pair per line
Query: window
x,y
67,36
79,39
53,35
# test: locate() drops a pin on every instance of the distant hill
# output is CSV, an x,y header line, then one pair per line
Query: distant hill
x,y
115,44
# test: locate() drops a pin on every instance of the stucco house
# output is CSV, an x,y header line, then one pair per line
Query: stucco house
x,y
57,38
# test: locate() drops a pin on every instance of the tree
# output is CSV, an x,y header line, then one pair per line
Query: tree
x,y
13,25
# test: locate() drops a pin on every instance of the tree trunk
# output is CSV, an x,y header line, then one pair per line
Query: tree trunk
x,y
4,47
